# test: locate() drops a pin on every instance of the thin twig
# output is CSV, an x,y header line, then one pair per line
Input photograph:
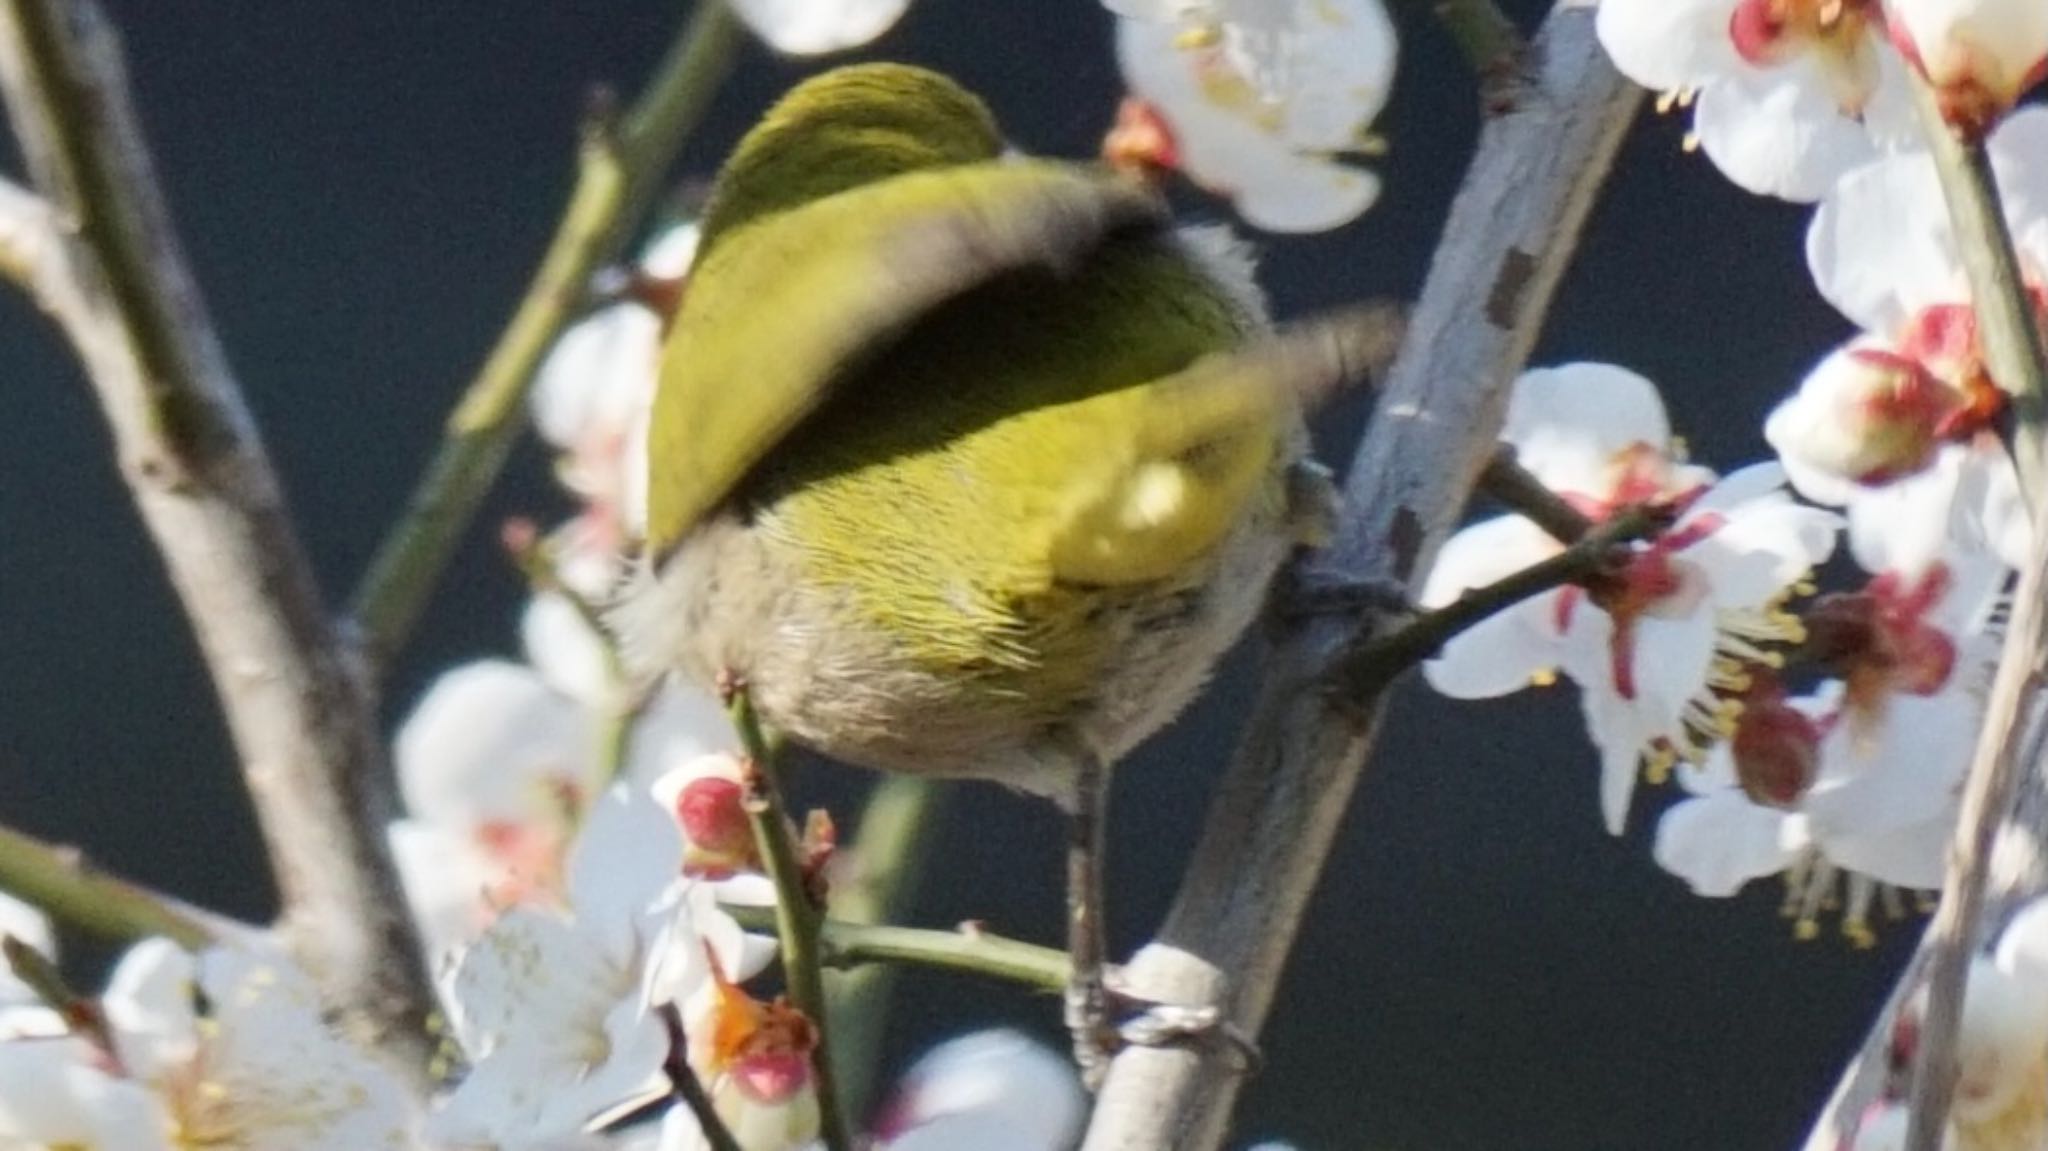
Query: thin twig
x,y
620,172
688,1087
64,885
1510,235
2013,351
970,951
797,913
1506,480
312,758
1370,667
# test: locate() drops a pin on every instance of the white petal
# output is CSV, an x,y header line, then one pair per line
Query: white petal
x,y
626,855
20,921
484,740
148,1003
596,375
2023,945
1666,45
1880,247
815,27
445,878
567,652
994,1089
1718,843
670,253
1762,551
1904,525
680,725
52,1096
1567,423
1779,132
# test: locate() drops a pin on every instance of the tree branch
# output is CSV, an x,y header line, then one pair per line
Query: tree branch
x,y
64,885
797,914
1510,234
1374,663
620,171
117,284
855,946
1998,817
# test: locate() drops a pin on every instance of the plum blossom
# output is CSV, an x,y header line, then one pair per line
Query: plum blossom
x,y
997,1090
1979,55
1896,426
1787,94
594,394
1881,751
500,760
2001,1096
816,27
557,1008
1258,101
225,1049
1658,646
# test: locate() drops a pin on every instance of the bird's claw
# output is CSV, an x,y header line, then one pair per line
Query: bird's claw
x,y
1307,596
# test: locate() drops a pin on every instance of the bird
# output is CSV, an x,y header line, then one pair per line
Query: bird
x,y
966,463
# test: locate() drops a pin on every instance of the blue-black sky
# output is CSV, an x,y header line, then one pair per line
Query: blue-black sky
x,y
364,187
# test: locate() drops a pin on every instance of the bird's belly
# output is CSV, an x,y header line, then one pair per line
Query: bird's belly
x,y
733,599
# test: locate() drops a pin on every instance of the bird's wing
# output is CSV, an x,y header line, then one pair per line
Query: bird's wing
x,y
805,298
1206,440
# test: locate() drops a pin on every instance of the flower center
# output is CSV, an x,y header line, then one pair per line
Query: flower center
x,y
1880,642
1835,33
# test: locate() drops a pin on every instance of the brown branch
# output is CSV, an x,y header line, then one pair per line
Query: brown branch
x,y
1510,235
116,282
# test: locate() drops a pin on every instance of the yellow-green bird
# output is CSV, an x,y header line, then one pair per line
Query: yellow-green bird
x,y
968,464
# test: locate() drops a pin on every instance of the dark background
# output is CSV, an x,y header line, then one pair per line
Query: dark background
x,y
364,188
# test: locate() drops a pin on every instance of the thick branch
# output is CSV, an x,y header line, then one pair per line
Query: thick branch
x,y
2000,810
622,165
1510,235
118,286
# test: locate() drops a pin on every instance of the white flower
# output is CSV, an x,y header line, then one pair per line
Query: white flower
x,y
20,921
499,762
815,27
593,395
1259,101
255,1069
1651,644
1979,55
1896,426
992,1090
556,1011
1882,251
1890,743
1790,93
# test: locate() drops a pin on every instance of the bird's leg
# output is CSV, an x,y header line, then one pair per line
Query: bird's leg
x,y
1087,1013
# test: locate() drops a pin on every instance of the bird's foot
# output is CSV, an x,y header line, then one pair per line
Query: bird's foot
x,y
1305,596
1104,1019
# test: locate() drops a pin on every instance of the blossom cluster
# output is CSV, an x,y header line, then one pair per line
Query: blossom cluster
x,y
1818,734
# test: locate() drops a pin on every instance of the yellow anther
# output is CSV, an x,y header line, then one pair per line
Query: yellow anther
x,y
1543,677
1806,930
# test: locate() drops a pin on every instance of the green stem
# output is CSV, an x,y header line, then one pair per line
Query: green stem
x,y
889,850
798,916
619,173
2013,350
70,890
857,946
